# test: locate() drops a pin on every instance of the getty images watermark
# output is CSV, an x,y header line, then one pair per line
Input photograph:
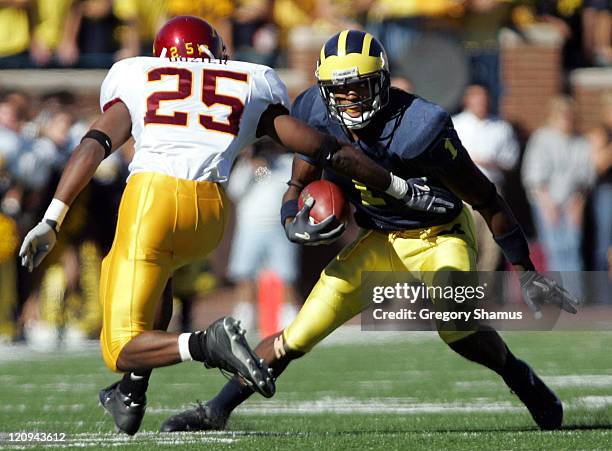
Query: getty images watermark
x,y
453,300
411,293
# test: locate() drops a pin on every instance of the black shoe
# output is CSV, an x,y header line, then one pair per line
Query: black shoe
x,y
227,349
200,418
126,411
543,405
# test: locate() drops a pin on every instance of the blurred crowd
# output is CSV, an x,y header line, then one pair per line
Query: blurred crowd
x,y
37,135
94,33
566,176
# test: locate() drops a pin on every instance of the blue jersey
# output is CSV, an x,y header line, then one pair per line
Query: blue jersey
x,y
410,137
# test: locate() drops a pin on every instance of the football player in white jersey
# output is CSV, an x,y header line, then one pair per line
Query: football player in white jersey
x,y
190,111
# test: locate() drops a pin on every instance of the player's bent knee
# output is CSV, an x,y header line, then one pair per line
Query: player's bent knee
x,y
111,351
110,358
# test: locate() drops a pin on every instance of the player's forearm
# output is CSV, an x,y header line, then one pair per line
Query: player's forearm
x,y
357,165
507,233
325,149
79,171
474,188
291,194
302,173
109,132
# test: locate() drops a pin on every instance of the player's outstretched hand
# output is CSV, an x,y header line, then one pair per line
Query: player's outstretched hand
x,y
423,197
36,245
538,290
302,231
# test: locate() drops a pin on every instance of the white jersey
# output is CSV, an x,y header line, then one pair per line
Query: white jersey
x,y
191,118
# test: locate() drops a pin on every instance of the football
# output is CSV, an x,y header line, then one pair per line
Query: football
x,y
329,200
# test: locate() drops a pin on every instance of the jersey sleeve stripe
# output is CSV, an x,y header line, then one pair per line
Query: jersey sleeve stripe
x,y
110,103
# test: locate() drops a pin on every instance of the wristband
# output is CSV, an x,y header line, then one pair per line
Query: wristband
x,y
398,187
289,209
56,212
514,245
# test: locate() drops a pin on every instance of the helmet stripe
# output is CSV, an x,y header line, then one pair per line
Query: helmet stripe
x,y
342,43
367,41
331,46
375,48
354,41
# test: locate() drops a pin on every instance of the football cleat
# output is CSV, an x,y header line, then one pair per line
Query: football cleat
x,y
543,405
125,410
200,418
227,349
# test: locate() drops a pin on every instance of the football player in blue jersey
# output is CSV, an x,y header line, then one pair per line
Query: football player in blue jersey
x,y
415,140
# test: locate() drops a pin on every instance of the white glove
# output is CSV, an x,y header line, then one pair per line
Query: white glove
x,y
37,244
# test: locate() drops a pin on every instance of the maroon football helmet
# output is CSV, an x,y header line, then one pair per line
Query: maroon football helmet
x,y
189,37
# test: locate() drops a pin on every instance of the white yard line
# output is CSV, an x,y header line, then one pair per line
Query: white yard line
x,y
569,380
24,353
341,406
352,335
116,440
580,380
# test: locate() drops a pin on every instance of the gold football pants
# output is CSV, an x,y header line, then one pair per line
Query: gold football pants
x,y
164,223
336,297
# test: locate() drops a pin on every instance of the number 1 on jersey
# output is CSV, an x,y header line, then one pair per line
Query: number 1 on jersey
x,y
209,96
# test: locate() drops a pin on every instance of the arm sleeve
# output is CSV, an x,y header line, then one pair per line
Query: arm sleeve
x,y
111,90
298,109
277,91
419,129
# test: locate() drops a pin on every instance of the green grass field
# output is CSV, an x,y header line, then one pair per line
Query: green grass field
x,y
359,390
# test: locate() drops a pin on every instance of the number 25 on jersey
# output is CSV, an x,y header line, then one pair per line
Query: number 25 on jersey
x,y
209,97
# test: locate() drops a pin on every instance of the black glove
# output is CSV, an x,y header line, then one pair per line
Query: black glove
x,y
538,290
302,231
423,197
